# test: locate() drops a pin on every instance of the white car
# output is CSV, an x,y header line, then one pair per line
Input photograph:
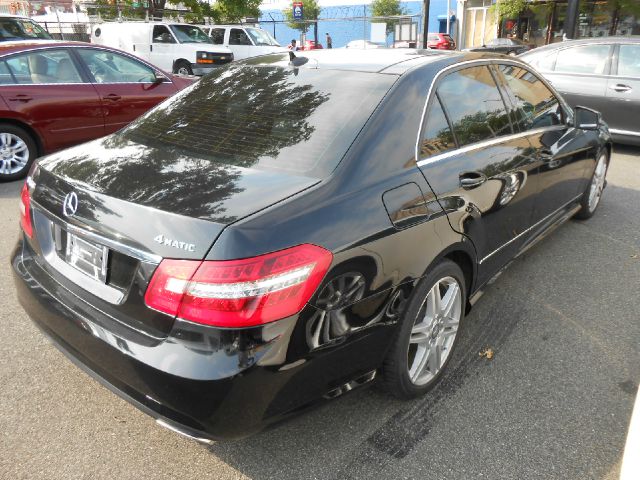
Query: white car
x,y
175,47
364,44
244,41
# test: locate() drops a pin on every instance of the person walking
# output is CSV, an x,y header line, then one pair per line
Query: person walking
x,y
329,41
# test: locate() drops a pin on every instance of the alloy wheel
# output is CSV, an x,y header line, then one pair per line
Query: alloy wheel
x,y
434,333
14,154
597,183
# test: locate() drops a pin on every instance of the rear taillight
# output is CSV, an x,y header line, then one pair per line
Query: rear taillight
x,y
239,293
25,210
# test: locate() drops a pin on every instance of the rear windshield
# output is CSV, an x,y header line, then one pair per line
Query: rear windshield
x,y
18,28
299,120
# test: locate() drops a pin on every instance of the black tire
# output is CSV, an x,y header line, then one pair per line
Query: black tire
x,y
587,209
395,369
30,154
182,67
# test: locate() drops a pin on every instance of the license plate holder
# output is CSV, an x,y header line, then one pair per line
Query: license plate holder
x,y
87,257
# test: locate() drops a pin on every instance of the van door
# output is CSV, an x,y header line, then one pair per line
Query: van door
x,y
163,48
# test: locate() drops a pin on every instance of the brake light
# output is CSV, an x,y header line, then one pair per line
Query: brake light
x,y
25,211
239,293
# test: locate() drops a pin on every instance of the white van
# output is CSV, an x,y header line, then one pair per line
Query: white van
x,y
174,47
244,41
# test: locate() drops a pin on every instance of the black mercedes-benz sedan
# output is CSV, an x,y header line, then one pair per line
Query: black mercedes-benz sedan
x,y
288,229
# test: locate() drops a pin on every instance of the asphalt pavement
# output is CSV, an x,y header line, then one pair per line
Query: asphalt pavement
x,y
554,402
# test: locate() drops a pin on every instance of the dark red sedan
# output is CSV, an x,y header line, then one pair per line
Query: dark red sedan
x,y
310,45
440,41
57,94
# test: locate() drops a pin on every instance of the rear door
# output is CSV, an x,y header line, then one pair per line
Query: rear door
x,y
623,90
163,48
126,86
482,172
580,74
49,92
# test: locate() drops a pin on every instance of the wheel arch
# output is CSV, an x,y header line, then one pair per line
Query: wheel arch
x,y
30,130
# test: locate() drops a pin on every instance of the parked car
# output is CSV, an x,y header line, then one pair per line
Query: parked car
x,y
276,237
364,44
506,46
601,73
174,47
243,41
440,41
310,45
57,94
15,27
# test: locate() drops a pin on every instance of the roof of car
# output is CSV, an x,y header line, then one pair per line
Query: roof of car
x,y
382,60
14,46
584,41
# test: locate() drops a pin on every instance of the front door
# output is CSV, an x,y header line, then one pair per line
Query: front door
x,y
163,45
481,171
48,92
127,87
240,43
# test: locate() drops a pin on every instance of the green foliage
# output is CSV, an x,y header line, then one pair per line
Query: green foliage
x,y
387,8
232,11
310,11
508,8
625,7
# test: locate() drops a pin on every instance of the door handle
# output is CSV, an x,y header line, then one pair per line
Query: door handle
x,y
21,98
470,180
112,96
619,87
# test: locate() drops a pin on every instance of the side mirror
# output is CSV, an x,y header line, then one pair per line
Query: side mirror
x,y
159,77
586,118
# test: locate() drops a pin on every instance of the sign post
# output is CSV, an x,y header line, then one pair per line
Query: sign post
x,y
297,11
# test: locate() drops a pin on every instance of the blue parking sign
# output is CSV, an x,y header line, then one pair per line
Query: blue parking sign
x,y
297,10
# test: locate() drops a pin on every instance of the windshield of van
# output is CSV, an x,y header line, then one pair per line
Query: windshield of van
x,y
254,116
190,34
19,28
262,37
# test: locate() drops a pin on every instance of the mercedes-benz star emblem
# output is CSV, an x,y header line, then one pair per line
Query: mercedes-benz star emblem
x,y
70,205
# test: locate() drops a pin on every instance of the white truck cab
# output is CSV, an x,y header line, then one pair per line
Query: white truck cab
x,y
174,47
243,40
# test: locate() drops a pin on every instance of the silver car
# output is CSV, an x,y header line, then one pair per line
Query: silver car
x,y
599,73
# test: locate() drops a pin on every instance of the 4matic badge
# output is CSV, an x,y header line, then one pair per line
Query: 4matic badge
x,y
162,240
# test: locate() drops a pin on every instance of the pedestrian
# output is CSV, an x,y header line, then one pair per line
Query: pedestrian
x,y
292,46
329,41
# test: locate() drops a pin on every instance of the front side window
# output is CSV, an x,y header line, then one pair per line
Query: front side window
x,y
109,67
18,28
474,105
583,59
238,37
44,66
629,61
217,36
436,134
161,34
190,34
535,105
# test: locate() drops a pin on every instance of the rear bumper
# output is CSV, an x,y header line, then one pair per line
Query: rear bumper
x,y
205,382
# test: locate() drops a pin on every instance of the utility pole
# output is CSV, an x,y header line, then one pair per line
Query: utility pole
x,y
425,22
571,19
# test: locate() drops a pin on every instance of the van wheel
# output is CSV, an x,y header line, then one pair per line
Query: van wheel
x,y
427,334
182,67
17,152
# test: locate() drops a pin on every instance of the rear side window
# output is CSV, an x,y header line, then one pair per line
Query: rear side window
x,y
474,105
583,59
629,61
217,36
301,120
535,105
44,66
5,75
436,134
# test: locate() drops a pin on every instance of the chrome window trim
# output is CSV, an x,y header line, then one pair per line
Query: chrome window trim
x,y
95,237
529,229
485,143
624,132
